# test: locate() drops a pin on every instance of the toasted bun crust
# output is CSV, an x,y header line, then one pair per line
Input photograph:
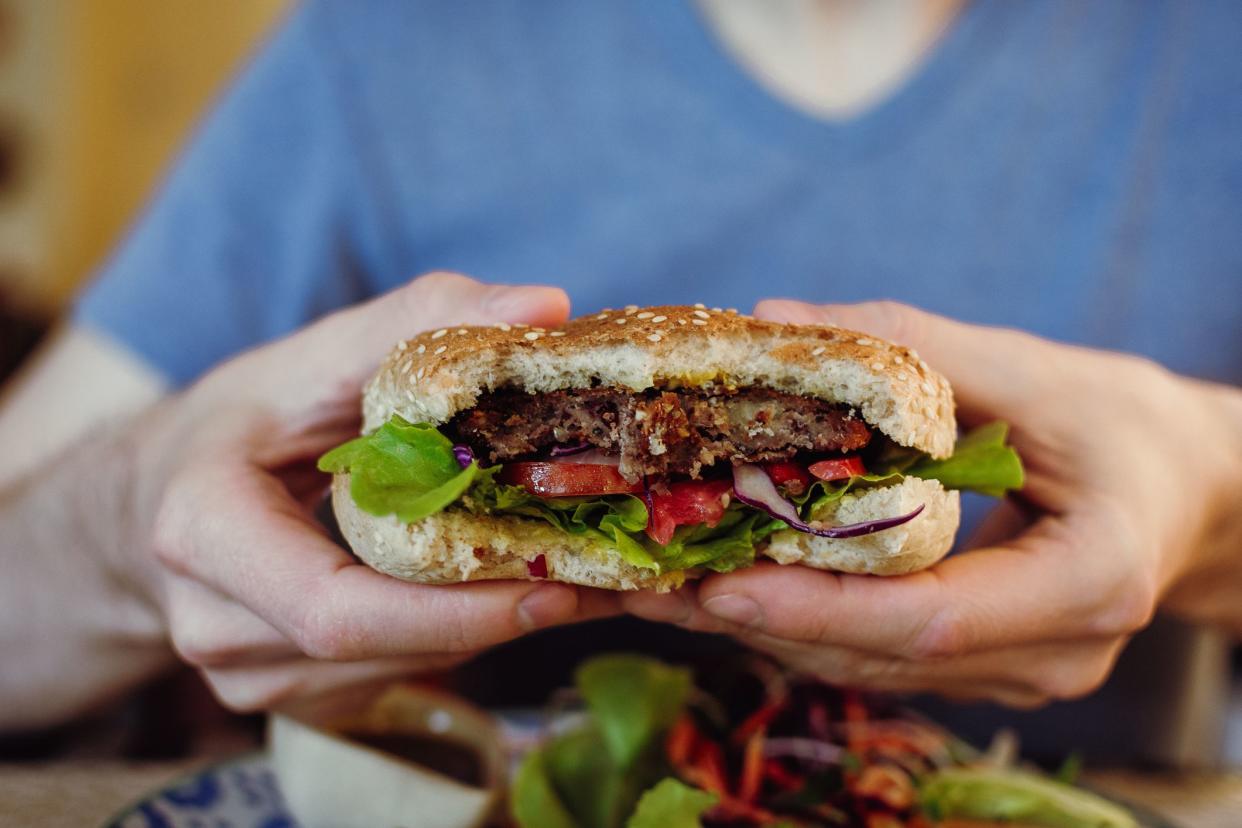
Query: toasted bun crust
x,y
438,373
454,546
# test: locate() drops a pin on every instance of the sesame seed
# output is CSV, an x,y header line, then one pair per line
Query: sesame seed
x,y
818,351
620,321
462,332
439,333
441,349
405,369
531,335
504,326
700,305
702,314
659,318
928,387
898,360
520,325
862,340
602,316
421,347
631,308
718,310
877,366
681,321
730,310
653,337
557,333
401,345
698,321
541,330
420,373
645,315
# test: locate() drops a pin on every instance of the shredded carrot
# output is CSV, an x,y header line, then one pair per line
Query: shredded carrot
x,y
751,778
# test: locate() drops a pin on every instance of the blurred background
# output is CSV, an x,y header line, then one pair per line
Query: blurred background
x,y
95,99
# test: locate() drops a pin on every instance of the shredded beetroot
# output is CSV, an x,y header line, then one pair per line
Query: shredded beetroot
x,y
538,568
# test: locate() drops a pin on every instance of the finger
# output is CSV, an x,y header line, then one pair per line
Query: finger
x,y
259,688
1048,671
208,629
241,532
995,372
343,350
1063,580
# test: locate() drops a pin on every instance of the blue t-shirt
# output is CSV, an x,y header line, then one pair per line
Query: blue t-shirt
x,y
1070,168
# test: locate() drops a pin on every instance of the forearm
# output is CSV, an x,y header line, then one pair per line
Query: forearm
x,y
75,626
1212,592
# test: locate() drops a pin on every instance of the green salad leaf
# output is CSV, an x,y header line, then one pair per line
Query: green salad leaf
x,y
671,804
401,469
534,800
981,462
1017,796
593,776
633,698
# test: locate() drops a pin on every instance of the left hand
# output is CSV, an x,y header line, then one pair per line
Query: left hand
x,y
1132,478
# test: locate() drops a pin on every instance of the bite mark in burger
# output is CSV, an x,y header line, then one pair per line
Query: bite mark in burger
x,y
624,456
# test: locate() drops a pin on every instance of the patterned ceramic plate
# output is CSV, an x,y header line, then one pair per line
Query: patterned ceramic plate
x,y
238,792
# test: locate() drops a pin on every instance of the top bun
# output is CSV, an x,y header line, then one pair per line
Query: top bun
x,y
436,374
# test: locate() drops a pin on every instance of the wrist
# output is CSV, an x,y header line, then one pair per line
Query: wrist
x,y
1211,589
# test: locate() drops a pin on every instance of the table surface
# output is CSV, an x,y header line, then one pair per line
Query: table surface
x,y
84,793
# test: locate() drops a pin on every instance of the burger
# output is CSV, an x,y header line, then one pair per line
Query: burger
x,y
632,447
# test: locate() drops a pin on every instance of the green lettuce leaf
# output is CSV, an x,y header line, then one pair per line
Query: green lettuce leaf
x,y
671,804
981,462
592,777
534,801
401,469
1017,796
633,699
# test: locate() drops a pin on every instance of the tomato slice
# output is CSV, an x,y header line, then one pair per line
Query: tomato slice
x,y
838,468
568,479
687,502
789,474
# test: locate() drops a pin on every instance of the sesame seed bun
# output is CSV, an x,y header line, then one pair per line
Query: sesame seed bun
x,y
436,374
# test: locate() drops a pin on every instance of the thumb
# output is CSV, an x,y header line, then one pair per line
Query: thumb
x,y
336,355
995,372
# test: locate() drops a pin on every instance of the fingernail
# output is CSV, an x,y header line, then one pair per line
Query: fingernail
x,y
520,302
546,605
736,609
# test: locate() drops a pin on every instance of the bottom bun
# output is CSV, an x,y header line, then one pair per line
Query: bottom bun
x,y
455,546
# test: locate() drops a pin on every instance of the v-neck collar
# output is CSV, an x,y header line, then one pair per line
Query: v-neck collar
x,y
698,52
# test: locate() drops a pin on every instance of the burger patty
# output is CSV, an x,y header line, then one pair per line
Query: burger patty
x,y
660,432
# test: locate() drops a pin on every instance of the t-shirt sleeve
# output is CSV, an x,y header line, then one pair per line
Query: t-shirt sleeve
x,y
256,230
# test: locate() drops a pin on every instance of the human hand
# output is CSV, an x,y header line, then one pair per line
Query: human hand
x,y
253,591
1130,470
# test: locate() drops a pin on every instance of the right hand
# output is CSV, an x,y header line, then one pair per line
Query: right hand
x,y
251,589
